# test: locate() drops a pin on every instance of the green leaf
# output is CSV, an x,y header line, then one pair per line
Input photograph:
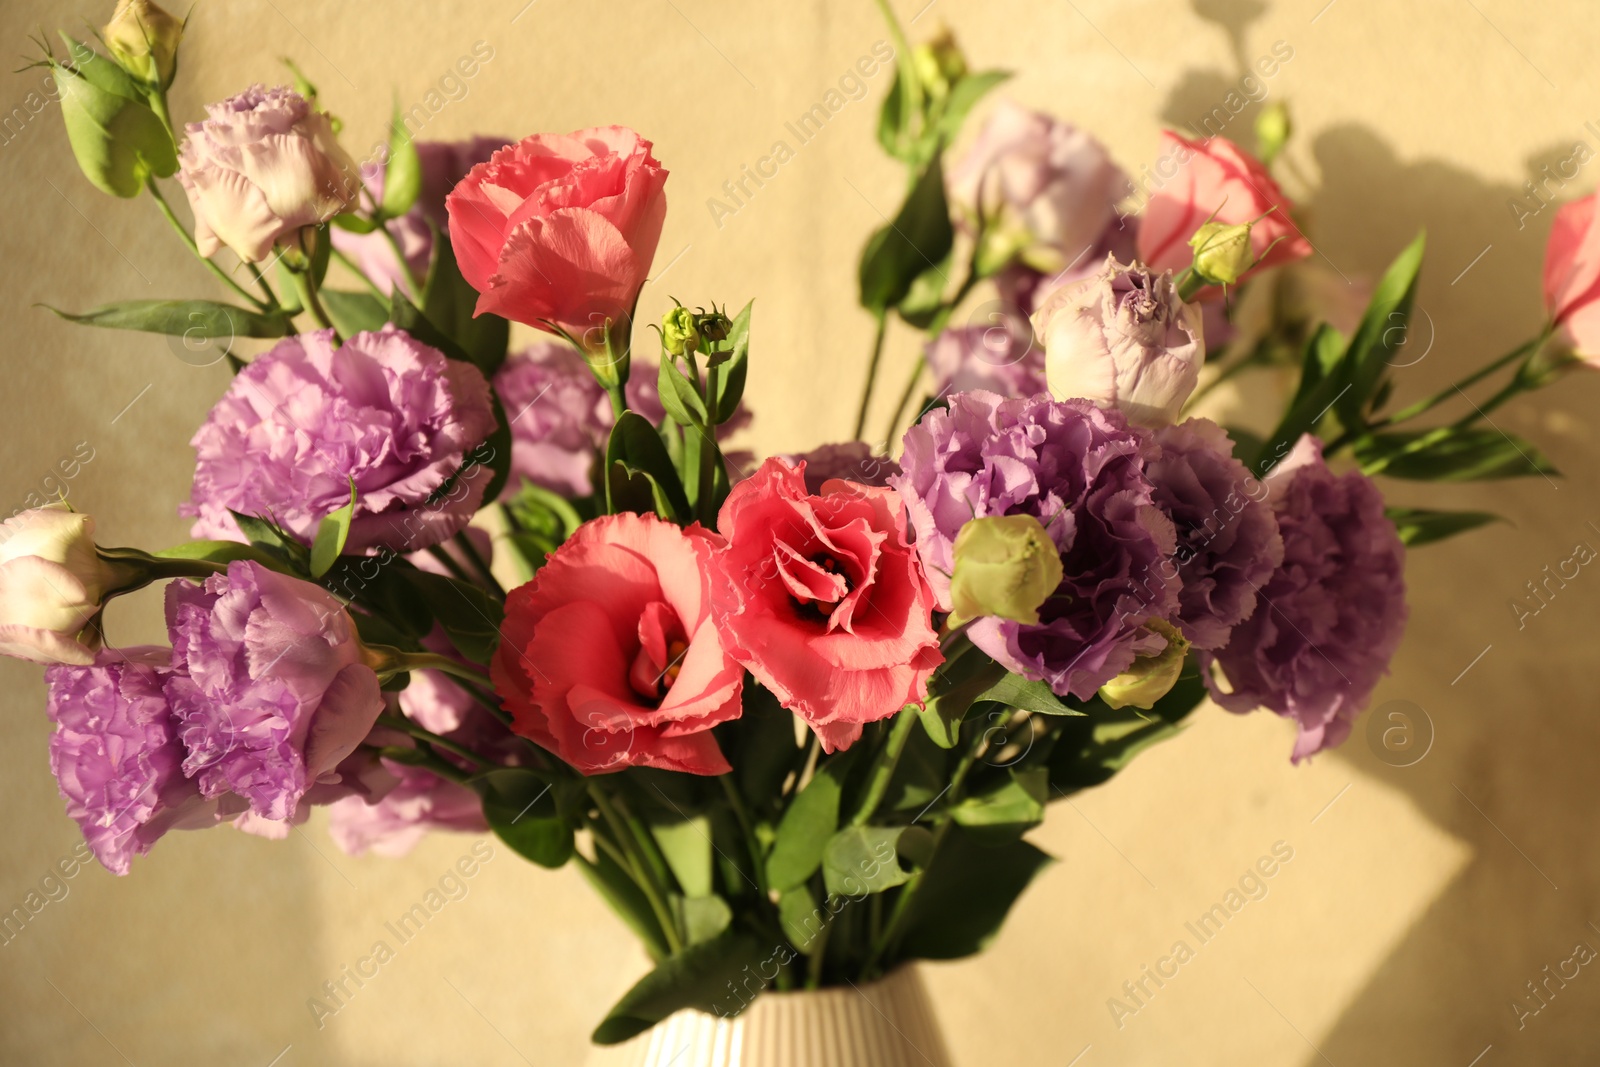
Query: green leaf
x,y
540,522
1320,385
891,123
220,552
701,918
1451,455
963,95
1010,809
640,475
622,895
1419,526
354,313
351,223
402,174
450,305
965,894
919,237
1015,691
1383,332
805,831
802,920
678,395
332,533
694,978
271,538
470,617
953,689
181,318
1090,749
116,138
408,317
495,453
863,859
763,751
731,378
520,807
686,844
925,299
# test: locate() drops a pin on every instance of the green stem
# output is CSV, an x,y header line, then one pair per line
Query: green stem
x,y
910,85
266,289
350,264
815,964
166,210
1189,284
432,661
883,769
400,257
742,816
480,564
396,722
308,300
619,399
450,563
872,374
647,885
432,761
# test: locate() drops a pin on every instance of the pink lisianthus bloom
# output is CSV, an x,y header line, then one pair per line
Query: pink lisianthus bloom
x,y
822,599
610,658
1572,277
1215,180
262,166
559,230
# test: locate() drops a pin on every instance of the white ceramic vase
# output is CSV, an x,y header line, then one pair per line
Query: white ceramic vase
x,y
887,1023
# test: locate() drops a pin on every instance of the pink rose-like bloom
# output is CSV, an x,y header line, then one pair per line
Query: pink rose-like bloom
x,y
444,163
304,419
1332,614
262,166
1572,277
51,584
561,229
1123,339
273,693
822,599
1048,181
610,659
116,755
1215,177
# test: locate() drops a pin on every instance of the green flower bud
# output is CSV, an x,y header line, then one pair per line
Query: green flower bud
x,y
678,331
939,64
1151,677
1222,252
117,138
1005,566
1272,131
144,39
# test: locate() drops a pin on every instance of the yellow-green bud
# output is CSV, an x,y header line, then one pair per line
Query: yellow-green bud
x,y
1151,677
1272,130
144,39
939,63
1222,252
1005,566
678,331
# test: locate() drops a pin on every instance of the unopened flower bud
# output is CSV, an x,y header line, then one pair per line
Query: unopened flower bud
x,y
1272,130
678,331
939,64
1151,677
1006,566
144,39
1222,252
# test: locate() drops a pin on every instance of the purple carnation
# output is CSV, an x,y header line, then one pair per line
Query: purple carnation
x,y
397,821
1080,471
116,755
1228,543
999,358
274,693
853,461
303,420
1332,614
443,164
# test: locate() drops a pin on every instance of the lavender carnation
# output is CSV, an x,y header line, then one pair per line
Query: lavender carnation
x,y
853,461
1333,612
273,694
1080,471
1228,543
1000,358
304,419
397,821
116,755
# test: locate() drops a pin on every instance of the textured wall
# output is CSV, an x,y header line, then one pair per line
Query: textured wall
x,y
1418,902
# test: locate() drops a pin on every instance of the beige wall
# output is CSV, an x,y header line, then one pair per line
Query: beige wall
x,y
1416,906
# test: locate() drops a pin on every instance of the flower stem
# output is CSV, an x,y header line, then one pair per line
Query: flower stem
x,y
350,264
642,877
742,816
166,209
479,564
432,661
883,770
872,375
406,726
308,300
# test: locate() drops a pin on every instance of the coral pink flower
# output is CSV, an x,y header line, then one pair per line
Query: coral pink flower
x,y
1572,277
561,229
823,599
1214,177
609,658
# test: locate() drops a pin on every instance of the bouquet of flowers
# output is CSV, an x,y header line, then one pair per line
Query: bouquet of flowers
x,y
793,719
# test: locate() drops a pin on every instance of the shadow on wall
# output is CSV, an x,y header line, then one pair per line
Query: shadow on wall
x,y
1506,956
